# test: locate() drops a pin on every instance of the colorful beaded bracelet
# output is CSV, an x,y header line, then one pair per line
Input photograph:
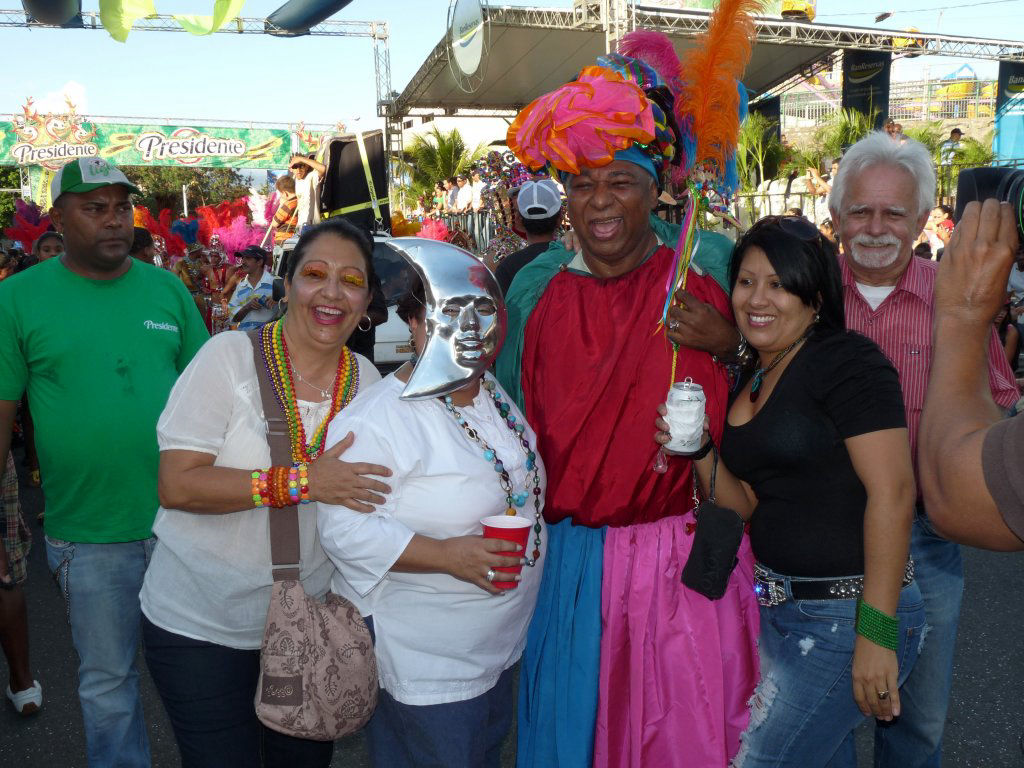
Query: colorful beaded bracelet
x,y
281,486
260,488
298,483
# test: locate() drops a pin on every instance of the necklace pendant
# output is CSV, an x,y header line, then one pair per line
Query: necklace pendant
x,y
755,385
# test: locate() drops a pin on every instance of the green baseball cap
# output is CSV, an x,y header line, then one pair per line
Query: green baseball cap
x,y
84,174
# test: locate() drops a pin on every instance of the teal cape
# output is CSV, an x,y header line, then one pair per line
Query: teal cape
x,y
712,257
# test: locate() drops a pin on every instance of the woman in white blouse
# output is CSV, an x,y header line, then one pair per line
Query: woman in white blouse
x,y
417,567
207,589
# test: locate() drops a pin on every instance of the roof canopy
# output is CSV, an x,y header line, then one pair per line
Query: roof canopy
x,y
534,50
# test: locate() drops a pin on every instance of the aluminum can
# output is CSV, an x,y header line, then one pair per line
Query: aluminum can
x,y
685,417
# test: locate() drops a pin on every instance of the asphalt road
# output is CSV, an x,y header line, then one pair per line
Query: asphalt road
x,y
984,728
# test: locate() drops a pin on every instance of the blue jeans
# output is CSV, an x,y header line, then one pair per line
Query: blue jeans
x,y
460,734
100,584
209,691
914,740
803,710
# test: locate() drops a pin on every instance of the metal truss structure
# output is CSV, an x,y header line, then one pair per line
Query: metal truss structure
x,y
612,18
240,26
602,14
786,32
377,31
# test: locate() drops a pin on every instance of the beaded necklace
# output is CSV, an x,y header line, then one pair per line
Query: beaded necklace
x,y
512,500
760,373
194,268
346,384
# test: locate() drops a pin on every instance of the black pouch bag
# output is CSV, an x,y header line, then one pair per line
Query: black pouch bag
x,y
715,544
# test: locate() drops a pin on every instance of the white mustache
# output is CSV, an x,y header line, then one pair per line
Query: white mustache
x,y
875,242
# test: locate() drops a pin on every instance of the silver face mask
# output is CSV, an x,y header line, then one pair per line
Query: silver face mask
x,y
465,317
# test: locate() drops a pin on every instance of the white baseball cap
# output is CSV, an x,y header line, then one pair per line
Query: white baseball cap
x,y
539,199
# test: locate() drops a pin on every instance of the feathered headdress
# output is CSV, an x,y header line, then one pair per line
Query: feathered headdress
x,y
709,104
28,224
160,228
221,216
435,229
238,235
710,100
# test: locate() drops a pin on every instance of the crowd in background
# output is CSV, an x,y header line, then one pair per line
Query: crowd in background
x,y
844,582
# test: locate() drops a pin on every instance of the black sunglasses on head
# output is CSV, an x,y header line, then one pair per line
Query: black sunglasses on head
x,y
795,226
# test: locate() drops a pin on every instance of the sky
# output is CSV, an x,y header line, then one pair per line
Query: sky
x,y
175,76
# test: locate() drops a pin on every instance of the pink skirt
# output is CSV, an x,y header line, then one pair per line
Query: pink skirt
x,y
677,669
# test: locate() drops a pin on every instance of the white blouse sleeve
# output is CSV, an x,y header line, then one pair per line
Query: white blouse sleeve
x,y
198,411
368,373
364,546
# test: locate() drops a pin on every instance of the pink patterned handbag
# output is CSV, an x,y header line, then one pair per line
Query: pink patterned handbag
x,y
318,672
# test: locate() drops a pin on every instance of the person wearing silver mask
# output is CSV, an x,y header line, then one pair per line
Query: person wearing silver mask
x,y
448,624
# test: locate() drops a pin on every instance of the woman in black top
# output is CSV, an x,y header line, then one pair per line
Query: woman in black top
x,y
815,455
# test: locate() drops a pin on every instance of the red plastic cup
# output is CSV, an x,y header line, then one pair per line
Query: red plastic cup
x,y
510,528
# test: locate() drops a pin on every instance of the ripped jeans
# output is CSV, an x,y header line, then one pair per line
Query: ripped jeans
x,y
803,708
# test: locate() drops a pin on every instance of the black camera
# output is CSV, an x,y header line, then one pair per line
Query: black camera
x,y
1006,184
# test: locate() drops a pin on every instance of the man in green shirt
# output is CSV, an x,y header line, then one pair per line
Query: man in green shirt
x,y
97,339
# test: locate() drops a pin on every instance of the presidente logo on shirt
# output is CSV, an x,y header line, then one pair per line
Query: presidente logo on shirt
x,y
153,325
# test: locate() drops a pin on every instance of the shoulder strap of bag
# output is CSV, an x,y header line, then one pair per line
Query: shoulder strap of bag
x,y
284,522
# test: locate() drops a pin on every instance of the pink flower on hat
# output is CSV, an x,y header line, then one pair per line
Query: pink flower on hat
x,y
583,123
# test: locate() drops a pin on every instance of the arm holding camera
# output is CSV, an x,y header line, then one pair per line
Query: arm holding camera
x,y
967,454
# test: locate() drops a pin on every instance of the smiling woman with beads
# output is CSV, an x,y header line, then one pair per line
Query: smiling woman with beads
x,y
447,633
207,591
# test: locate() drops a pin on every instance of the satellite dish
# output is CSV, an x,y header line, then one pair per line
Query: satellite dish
x,y
469,33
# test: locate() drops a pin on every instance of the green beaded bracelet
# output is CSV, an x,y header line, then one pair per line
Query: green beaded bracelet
x,y
880,628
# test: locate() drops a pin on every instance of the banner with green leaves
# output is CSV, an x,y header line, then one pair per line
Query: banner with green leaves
x,y
50,141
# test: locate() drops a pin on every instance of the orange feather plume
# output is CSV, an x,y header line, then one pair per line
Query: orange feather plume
x,y
711,71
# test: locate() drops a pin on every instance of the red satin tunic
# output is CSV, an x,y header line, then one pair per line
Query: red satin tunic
x,y
593,374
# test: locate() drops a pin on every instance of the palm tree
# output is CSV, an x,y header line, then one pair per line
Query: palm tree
x,y
930,133
434,156
972,153
759,152
975,152
843,129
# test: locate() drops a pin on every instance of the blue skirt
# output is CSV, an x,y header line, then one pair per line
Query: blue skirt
x,y
558,684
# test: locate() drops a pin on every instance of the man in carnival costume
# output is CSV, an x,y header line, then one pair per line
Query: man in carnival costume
x,y
625,666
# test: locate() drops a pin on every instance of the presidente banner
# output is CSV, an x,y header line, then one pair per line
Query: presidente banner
x,y
866,83
1008,143
51,140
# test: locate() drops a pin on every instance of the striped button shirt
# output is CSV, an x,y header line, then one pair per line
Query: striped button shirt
x,y
902,328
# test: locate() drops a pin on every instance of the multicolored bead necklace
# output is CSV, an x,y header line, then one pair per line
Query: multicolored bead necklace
x,y
346,385
512,500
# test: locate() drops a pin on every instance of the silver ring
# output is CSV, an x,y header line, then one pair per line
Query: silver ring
x,y
491,574
673,325
883,695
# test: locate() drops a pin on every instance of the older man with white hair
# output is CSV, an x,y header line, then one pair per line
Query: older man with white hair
x,y
879,203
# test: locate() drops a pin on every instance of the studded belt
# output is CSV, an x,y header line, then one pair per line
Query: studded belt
x,y
772,591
